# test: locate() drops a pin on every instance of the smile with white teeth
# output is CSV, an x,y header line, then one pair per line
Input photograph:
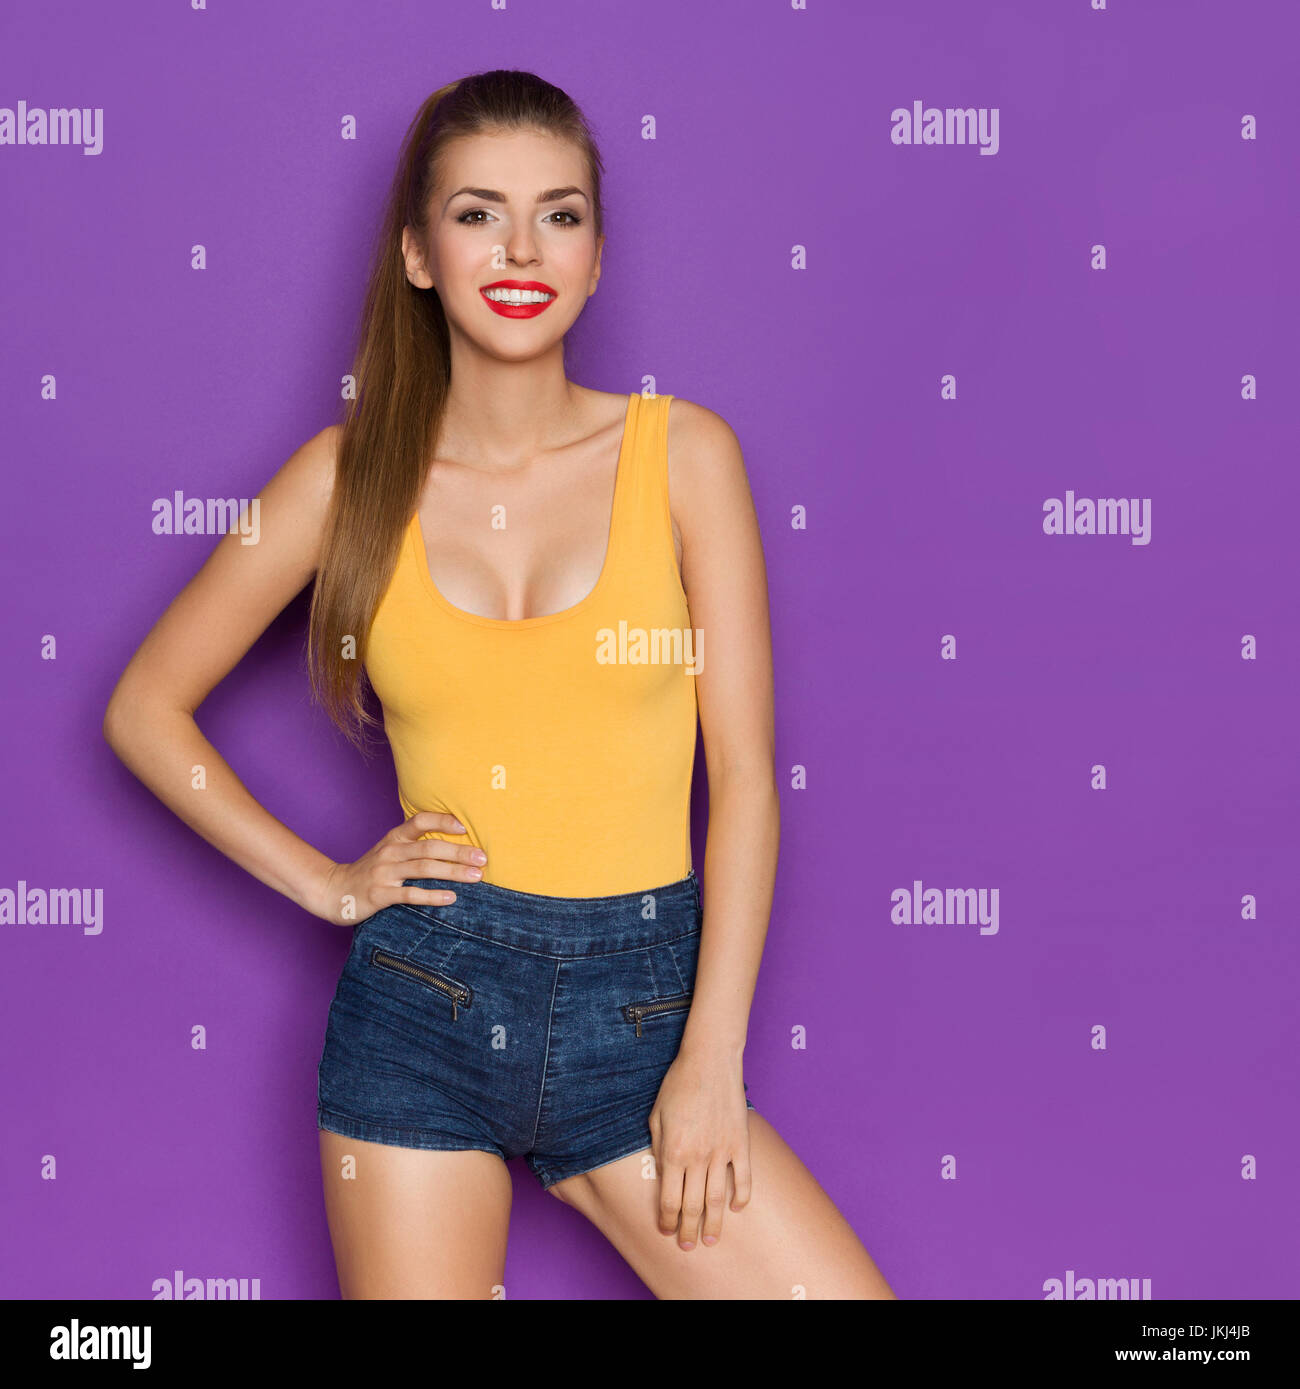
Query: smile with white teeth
x,y
518,296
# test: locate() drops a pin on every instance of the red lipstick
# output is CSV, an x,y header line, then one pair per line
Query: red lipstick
x,y
525,310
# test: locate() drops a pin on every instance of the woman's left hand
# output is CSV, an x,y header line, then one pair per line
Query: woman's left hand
x,y
698,1127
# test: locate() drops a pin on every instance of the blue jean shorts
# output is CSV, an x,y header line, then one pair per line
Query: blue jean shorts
x,y
513,1023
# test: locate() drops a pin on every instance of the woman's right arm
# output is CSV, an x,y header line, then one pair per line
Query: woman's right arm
x,y
207,629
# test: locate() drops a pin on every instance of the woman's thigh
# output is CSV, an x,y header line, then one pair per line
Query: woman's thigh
x,y
790,1241
415,1223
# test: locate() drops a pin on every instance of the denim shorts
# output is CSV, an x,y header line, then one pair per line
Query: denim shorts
x,y
513,1023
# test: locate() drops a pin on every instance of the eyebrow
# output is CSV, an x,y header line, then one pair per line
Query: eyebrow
x,y
490,195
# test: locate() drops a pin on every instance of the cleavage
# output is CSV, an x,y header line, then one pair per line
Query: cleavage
x,y
514,548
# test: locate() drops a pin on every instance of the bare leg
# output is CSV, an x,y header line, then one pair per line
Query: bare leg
x,y
790,1241
409,1223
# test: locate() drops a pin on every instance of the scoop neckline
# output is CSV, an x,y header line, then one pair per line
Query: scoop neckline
x,y
415,534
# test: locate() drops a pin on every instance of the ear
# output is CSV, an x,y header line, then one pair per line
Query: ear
x,y
416,271
595,269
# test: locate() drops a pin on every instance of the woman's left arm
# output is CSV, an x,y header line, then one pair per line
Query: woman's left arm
x,y
700,1122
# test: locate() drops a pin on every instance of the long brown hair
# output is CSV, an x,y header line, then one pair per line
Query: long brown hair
x,y
402,370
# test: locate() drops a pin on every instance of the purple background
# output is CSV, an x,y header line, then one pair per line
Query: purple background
x,y
1119,907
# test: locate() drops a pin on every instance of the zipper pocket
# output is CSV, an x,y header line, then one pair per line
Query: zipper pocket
x,y
634,1012
458,993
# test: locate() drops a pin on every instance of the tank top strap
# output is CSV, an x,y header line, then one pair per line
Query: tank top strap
x,y
646,519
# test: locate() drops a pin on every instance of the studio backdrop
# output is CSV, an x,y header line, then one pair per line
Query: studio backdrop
x,y
1000,300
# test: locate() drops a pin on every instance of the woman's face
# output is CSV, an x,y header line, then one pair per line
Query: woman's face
x,y
509,212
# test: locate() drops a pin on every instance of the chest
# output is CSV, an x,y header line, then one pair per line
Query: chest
x,y
518,544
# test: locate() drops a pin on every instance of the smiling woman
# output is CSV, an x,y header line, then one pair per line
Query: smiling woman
x,y
533,970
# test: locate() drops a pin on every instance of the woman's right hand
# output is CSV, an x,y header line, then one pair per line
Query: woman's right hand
x,y
351,892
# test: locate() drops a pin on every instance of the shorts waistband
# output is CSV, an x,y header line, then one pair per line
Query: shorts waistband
x,y
568,927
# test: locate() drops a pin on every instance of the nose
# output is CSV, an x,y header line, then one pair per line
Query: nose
x,y
521,246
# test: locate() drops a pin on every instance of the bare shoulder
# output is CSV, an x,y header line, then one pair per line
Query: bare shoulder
x,y
701,436
310,471
324,448
706,467
297,498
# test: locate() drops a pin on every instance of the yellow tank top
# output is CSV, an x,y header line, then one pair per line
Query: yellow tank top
x,y
564,743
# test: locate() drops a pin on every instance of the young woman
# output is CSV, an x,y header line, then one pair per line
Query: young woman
x,y
547,585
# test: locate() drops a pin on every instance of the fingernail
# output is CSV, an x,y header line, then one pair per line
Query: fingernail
x,y
479,856
460,829
710,1239
473,872
689,1244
